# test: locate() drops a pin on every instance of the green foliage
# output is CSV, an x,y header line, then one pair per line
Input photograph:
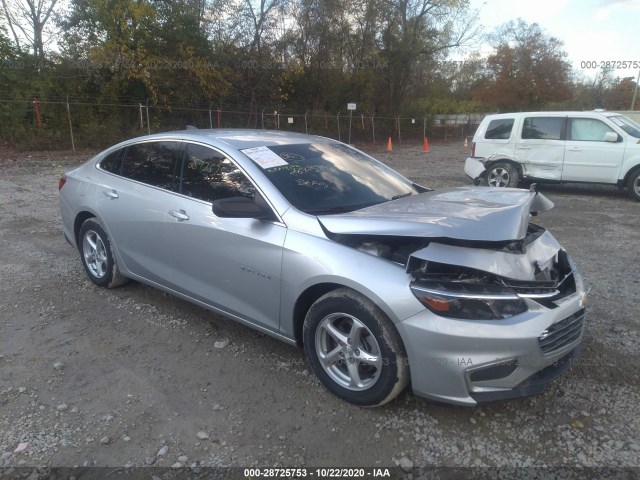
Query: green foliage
x,y
181,58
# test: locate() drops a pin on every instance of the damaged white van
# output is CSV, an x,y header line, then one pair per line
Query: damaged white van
x,y
557,147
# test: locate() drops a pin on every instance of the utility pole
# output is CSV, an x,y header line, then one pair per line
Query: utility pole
x,y
635,92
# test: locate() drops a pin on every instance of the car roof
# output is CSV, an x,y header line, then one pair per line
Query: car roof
x,y
238,138
575,113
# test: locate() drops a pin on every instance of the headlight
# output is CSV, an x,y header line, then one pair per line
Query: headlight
x,y
471,301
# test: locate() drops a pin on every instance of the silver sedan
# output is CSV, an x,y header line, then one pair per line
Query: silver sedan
x,y
383,282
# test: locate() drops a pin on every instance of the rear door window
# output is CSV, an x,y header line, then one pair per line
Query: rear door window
x,y
153,163
499,129
544,128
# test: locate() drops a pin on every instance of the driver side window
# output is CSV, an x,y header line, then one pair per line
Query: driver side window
x,y
209,175
588,130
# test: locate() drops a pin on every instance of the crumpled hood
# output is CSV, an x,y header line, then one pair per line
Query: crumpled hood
x,y
465,213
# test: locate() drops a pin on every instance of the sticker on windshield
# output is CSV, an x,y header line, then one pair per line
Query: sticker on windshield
x,y
264,157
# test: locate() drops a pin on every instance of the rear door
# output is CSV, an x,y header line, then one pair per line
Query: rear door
x,y
132,203
233,264
588,157
540,147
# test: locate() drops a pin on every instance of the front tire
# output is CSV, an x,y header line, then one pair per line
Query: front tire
x,y
502,174
97,255
633,185
354,349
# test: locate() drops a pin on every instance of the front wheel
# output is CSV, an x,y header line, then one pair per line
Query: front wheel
x,y
502,174
354,349
633,185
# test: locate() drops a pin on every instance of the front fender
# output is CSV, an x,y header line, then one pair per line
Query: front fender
x,y
384,282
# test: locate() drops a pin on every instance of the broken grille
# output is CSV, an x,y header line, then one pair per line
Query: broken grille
x,y
562,333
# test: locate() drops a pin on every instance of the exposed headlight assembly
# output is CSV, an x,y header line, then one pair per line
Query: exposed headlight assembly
x,y
469,301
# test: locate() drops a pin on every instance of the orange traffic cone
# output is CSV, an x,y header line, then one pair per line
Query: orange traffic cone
x,y
389,145
425,145
466,146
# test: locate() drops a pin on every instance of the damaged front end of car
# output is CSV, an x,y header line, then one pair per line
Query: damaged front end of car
x,y
460,281
504,312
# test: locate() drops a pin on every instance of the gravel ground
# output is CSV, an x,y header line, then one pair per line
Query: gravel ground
x,y
135,377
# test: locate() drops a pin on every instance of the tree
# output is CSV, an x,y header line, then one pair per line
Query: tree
x,y
420,31
527,69
28,18
153,49
619,94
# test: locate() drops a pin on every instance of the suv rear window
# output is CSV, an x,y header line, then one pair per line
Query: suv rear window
x,y
543,128
499,129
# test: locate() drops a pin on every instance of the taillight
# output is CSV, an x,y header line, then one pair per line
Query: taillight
x,y
63,180
473,149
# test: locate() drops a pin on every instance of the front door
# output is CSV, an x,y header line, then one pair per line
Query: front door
x,y
588,157
233,264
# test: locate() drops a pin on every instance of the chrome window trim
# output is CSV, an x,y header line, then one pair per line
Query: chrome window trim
x,y
279,220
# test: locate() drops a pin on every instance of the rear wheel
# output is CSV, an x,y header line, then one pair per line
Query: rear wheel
x,y
633,185
502,174
354,349
97,255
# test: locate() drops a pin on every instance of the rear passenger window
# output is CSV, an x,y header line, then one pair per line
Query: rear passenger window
x,y
499,129
588,130
153,163
112,162
208,175
543,128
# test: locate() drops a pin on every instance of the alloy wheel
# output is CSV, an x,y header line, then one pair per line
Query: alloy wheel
x,y
498,177
94,253
348,351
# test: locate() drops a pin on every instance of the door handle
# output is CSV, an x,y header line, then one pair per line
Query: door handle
x,y
111,193
574,149
523,147
179,214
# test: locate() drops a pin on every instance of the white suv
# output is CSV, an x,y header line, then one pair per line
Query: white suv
x,y
557,147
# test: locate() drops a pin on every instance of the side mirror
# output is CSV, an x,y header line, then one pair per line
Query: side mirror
x,y
611,137
238,207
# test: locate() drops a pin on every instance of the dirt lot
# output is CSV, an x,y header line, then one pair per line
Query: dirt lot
x,y
134,377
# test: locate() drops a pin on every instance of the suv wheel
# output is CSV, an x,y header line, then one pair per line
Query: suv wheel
x,y
502,174
633,185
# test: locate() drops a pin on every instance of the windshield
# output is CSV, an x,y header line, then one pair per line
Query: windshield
x,y
626,124
324,178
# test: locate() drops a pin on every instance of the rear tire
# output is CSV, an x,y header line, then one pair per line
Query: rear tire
x,y
354,349
633,185
502,174
97,255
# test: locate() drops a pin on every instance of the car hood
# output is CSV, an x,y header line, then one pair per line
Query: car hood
x,y
465,213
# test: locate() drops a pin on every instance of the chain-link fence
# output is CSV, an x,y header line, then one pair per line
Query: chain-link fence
x,y
35,124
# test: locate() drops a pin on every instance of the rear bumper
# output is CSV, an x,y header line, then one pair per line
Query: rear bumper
x,y
473,168
66,213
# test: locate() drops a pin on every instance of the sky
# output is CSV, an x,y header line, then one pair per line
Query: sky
x,y
592,30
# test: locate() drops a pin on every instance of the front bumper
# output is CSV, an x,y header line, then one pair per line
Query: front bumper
x,y
467,362
474,168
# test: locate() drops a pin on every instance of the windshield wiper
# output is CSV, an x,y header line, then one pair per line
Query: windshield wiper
x,y
339,209
396,197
